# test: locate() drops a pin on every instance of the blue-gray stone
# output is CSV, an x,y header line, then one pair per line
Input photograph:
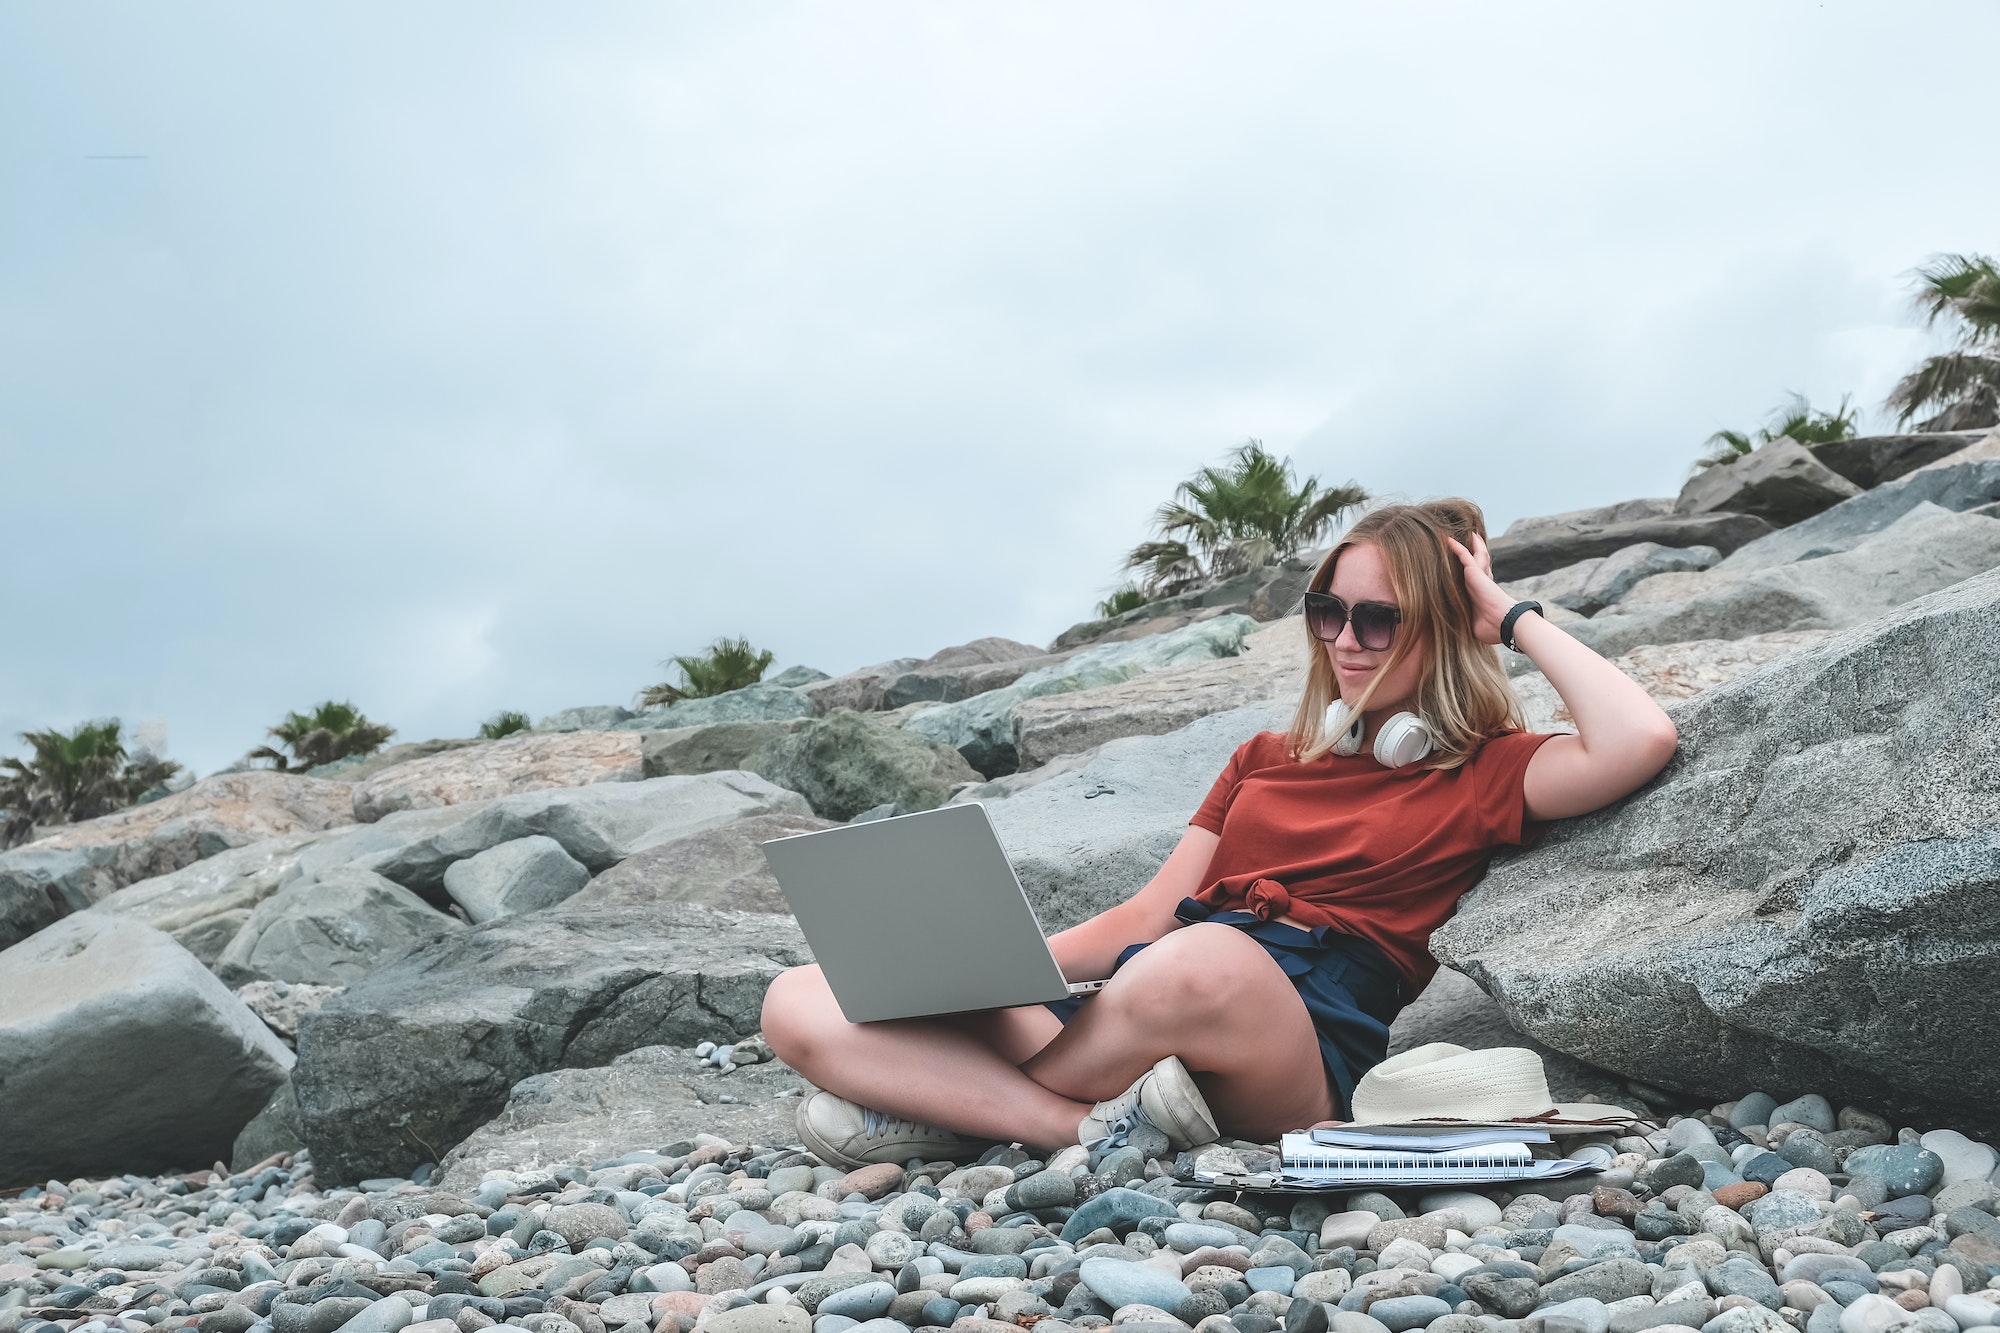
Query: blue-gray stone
x,y
1905,1169
1824,1319
994,1265
1680,1169
1270,1279
1810,1110
1764,1168
1753,1110
1113,1207
1043,1189
940,1311
1781,1210
1187,1237
1740,1277
868,1300
1119,1282
1847,1293
1583,1311
1806,1148
834,1323
1398,1314
1714,1175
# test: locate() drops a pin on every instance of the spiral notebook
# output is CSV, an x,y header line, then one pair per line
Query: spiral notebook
x,y
1346,1158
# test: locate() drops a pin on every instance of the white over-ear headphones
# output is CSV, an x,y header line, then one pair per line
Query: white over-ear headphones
x,y
1402,741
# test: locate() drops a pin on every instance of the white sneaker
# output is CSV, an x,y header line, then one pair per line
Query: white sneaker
x,y
840,1133
1165,1097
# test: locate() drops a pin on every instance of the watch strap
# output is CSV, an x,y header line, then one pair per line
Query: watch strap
x,y
1514,614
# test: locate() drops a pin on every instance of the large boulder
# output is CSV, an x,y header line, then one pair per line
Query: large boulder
x,y
1957,487
411,1060
1091,837
713,748
847,762
1536,546
203,905
1589,586
599,825
860,689
1808,896
356,767
753,703
332,930
524,875
719,867
1272,666
526,761
589,717
1452,1008
75,865
1873,459
120,1052
644,1100
1669,672
1781,482
1927,549
982,728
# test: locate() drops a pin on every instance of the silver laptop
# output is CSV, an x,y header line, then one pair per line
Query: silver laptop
x,y
919,914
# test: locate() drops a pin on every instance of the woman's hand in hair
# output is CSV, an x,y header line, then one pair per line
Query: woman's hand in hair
x,y
1490,601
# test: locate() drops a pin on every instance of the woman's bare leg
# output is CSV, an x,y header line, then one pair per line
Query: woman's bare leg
x,y
1209,994
962,1073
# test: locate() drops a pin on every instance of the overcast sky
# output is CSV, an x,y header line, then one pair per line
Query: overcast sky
x,y
459,357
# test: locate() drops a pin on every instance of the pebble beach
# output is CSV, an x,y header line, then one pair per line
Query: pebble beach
x,y
1749,1216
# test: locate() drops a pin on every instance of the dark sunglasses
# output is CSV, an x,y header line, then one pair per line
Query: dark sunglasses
x,y
1374,622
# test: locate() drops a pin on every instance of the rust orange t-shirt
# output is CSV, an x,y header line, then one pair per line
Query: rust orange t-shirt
x,y
1345,842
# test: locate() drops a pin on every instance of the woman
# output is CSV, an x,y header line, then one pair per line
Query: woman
x,y
1291,922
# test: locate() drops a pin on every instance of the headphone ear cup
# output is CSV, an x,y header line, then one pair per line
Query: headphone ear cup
x,y
1345,728
1403,740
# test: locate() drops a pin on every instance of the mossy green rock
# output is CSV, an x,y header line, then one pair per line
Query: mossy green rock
x,y
845,763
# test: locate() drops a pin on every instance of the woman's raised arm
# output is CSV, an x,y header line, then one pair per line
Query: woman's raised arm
x,y
1622,737
1086,951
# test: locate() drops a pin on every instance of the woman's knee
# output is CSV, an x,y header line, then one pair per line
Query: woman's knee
x,y
794,1004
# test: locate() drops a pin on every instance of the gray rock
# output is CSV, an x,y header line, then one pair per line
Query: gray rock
x,y
1781,482
203,905
599,825
1452,1008
274,1129
753,703
1873,459
860,689
524,875
410,1061
1091,837
1958,487
74,865
720,867
283,1005
590,717
1119,1282
527,761
1927,549
982,728
1267,593
1536,546
333,930
846,762
960,672
1801,898
1623,570
95,1004
713,748
1905,1169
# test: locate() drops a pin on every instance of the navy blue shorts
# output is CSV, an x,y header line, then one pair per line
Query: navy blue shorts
x,y
1349,988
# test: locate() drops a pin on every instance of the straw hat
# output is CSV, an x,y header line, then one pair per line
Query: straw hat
x,y
1443,1082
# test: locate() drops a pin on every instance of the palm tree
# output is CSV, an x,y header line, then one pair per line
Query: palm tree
x,y
1231,519
331,731
503,723
729,664
1127,598
74,775
1794,418
1962,385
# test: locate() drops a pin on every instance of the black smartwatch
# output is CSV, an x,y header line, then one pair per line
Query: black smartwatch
x,y
1518,610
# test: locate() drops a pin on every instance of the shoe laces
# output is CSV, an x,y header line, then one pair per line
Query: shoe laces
x,y
880,1124
1120,1127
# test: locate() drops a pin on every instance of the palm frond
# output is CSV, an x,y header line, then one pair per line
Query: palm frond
x,y
1943,381
1961,287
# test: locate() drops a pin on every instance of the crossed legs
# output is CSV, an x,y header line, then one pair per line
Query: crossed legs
x,y
1206,993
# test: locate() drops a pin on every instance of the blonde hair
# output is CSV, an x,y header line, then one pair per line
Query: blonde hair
x,y
1462,694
